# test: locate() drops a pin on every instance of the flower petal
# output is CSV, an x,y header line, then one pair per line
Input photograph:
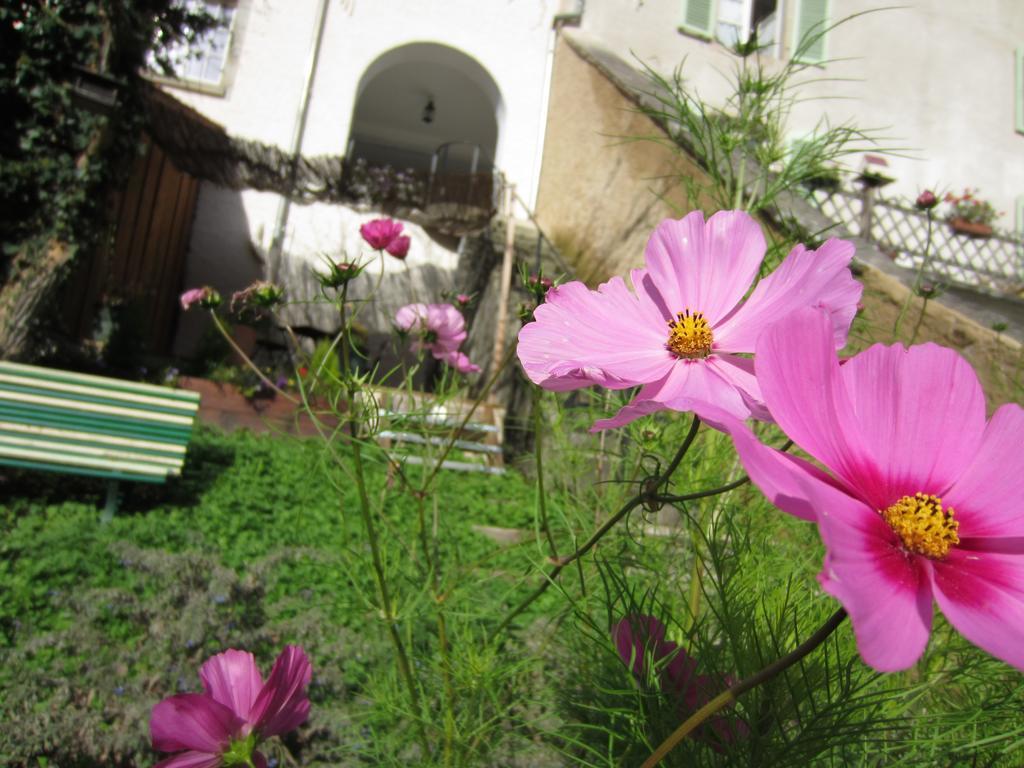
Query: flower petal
x,y
987,496
232,679
739,372
459,361
798,371
778,475
820,278
885,591
635,634
192,721
598,337
191,759
630,412
982,595
704,266
924,413
282,704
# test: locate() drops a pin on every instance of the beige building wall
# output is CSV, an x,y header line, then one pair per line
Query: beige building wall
x,y
934,77
601,195
601,190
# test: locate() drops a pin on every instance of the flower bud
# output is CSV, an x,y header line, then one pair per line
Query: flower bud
x,y
926,200
338,274
205,297
260,295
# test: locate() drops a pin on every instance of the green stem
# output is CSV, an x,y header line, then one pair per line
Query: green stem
x,y
731,694
920,319
245,359
646,495
538,452
387,606
469,415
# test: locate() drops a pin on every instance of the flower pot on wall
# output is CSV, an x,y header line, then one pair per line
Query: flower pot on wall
x,y
970,228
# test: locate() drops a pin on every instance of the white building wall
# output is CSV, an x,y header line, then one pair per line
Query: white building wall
x,y
270,49
268,60
935,77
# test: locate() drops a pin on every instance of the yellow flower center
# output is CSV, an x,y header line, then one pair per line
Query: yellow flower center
x,y
689,335
923,525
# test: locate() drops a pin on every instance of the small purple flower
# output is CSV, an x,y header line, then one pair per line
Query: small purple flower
x,y
441,328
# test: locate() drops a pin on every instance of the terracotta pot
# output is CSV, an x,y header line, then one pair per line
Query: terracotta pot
x,y
970,228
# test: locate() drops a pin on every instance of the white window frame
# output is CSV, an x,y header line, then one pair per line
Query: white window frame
x,y
774,50
181,78
747,27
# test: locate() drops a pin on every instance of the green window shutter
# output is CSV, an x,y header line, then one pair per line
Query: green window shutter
x,y
1018,85
808,44
698,18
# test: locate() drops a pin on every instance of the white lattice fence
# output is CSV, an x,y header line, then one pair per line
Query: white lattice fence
x,y
995,262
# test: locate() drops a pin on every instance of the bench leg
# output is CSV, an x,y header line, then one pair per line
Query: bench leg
x,y
112,500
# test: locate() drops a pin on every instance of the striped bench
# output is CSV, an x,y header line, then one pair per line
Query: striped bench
x,y
91,425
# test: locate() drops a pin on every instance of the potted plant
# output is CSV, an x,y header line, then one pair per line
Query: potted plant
x,y
970,215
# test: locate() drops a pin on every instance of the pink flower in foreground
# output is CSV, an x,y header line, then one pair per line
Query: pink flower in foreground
x,y
379,234
223,725
441,329
640,639
924,500
682,330
399,247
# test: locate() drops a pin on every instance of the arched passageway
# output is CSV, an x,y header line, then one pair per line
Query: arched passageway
x,y
433,114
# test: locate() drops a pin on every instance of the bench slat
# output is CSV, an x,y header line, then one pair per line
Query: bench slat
x,y
91,462
93,438
85,471
113,426
55,447
95,394
78,405
54,374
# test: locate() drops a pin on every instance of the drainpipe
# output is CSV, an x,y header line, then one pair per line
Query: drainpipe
x,y
284,206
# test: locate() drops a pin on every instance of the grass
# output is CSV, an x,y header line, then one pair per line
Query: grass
x,y
259,544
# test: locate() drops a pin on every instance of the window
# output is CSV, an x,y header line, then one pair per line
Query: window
x,y
809,31
739,19
203,61
733,22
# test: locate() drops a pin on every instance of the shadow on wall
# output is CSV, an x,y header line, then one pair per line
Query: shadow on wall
x,y
220,255
375,300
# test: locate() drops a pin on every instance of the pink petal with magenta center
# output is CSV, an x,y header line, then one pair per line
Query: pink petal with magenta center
x,y
233,680
192,721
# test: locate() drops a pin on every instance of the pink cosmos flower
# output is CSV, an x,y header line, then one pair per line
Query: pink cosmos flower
x,y
379,234
223,725
923,501
206,297
399,247
640,638
441,329
681,331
